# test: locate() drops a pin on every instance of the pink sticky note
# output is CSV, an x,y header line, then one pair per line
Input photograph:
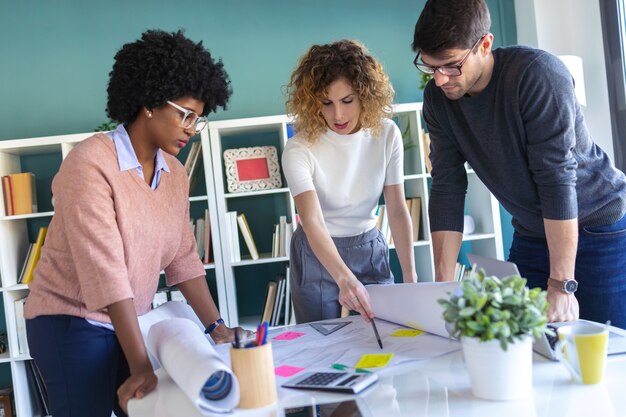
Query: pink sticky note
x,y
289,336
286,370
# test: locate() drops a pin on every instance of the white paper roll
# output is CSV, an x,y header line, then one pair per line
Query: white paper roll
x,y
191,362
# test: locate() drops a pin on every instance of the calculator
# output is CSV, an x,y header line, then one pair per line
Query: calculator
x,y
347,382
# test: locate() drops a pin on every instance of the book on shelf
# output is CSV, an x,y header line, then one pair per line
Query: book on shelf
x,y
199,231
207,237
34,255
282,228
278,301
288,306
177,295
160,297
20,324
38,388
247,235
416,212
459,271
192,162
231,228
19,193
270,297
282,237
7,193
20,279
426,142
275,240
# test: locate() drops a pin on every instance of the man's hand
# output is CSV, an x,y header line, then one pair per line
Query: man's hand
x,y
563,306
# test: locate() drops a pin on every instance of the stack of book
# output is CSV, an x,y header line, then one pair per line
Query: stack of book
x,y
281,238
19,194
414,206
238,223
163,295
277,308
202,231
461,272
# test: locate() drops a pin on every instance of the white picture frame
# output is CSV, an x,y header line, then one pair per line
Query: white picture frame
x,y
252,169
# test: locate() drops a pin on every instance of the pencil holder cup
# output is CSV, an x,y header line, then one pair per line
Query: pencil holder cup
x,y
254,368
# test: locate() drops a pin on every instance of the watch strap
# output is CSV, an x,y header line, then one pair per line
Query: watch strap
x,y
213,326
562,284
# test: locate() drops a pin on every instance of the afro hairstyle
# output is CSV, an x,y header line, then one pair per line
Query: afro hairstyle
x,y
164,66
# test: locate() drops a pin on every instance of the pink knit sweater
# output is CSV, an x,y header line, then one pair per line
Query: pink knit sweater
x,y
111,235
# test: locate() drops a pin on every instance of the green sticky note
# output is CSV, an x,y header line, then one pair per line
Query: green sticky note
x,y
407,333
375,360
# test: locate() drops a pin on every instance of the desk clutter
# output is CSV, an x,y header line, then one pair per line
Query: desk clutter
x,y
250,372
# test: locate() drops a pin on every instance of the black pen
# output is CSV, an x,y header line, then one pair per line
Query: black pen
x,y
380,343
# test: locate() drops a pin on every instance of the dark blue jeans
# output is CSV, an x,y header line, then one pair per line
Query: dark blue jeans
x,y
600,269
82,365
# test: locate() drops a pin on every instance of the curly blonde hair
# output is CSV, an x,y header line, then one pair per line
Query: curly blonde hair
x,y
324,64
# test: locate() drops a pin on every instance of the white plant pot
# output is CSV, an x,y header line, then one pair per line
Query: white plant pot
x,y
496,374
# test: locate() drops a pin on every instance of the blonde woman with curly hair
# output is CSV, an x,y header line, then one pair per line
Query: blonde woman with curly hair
x,y
346,153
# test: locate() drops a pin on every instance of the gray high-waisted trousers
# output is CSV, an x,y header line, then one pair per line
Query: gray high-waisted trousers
x,y
314,292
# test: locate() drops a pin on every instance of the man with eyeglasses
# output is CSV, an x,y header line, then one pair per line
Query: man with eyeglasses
x,y
512,114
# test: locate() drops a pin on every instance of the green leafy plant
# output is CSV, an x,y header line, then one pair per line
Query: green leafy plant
x,y
424,78
106,126
490,308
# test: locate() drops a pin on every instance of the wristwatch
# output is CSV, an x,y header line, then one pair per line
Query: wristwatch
x,y
569,286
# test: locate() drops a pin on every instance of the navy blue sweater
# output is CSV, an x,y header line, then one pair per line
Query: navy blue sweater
x,y
526,138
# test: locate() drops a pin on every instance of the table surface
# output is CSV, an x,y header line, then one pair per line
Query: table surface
x,y
440,387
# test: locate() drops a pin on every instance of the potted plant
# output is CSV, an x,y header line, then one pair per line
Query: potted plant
x,y
496,321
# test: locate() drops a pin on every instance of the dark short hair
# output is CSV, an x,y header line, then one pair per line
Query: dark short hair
x,y
450,24
164,66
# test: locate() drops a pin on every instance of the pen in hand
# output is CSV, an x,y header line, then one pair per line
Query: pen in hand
x,y
380,343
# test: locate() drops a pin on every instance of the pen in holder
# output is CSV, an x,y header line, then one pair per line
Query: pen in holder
x,y
254,368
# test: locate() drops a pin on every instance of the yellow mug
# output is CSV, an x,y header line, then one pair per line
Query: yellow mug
x,y
582,348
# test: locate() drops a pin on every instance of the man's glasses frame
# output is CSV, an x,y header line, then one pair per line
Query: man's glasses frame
x,y
190,118
447,70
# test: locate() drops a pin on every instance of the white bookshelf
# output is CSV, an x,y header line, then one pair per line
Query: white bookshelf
x,y
272,131
14,245
218,136
223,135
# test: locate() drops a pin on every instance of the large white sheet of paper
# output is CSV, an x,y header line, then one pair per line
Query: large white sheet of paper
x,y
190,360
412,305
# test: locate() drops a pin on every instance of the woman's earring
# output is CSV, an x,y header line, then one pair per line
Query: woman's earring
x,y
149,114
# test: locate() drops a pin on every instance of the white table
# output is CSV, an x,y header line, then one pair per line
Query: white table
x,y
441,387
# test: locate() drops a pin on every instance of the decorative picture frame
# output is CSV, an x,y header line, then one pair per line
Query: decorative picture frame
x,y
252,169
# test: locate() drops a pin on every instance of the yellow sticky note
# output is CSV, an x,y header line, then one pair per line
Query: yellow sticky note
x,y
407,333
376,360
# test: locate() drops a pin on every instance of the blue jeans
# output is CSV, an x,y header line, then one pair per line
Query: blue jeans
x,y
600,269
81,364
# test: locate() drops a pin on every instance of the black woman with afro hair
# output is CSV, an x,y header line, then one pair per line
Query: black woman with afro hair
x,y
121,217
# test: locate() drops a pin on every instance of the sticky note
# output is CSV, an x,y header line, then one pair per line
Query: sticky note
x,y
286,370
376,360
289,336
406,333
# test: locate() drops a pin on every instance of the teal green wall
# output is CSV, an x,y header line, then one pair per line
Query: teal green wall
x,y
56,55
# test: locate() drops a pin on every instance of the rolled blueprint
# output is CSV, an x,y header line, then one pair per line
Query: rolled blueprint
x,y
413,305
192,363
